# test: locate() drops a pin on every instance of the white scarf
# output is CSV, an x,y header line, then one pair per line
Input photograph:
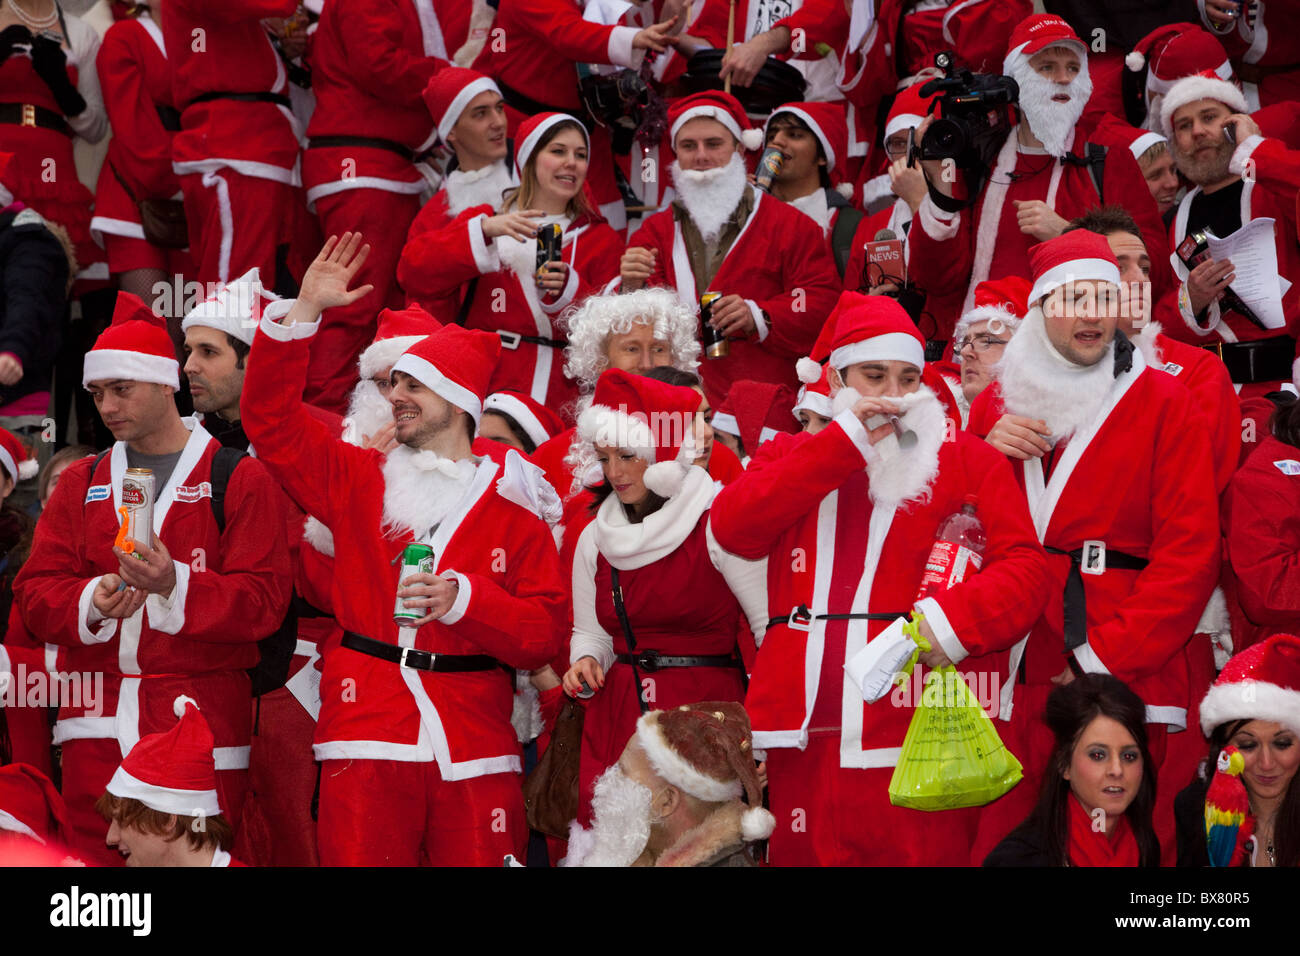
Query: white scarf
x,y
477,187
626,545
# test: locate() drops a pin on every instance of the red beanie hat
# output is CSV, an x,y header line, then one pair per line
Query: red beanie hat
x,y
1260,683
538,422
715,105
532,130
1076,255
135,347
651,419
828,122
30,804
398,330
449,91
172,772
15,458
454,363
1038,32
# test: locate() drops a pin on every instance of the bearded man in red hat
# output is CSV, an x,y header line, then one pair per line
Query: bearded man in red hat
x,y
419,759
849,516
180,614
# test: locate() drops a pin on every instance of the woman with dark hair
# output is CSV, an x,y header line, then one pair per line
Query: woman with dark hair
x,y
1095,805
1261,521
489,261
1254,706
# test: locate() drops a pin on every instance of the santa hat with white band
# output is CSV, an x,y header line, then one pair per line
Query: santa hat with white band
x,y
715,105
456,364
135,348
1072,257
1176,50
30,804
827,121
539,423
15,459
532,130
1199,87
1004,300
397,331
449,92
174,771
813,397
235,308
1260,683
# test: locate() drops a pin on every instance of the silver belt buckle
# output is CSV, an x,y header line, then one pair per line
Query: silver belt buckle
x,y
509,340
1094,557
401,662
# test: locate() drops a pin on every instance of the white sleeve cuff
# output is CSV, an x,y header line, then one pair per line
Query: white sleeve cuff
x,y
1089,660
461,604
760,323
285,333
591,645
933,222
857,433
168,614
619,48
943,632
1241,155
566,296
88,616
1185,310
485,255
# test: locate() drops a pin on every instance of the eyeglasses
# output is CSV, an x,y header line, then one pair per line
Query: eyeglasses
x,y
896,147
980,343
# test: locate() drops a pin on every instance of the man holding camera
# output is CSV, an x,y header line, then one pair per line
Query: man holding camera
x,y
1045,174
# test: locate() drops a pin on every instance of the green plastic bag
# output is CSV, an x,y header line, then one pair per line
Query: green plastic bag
x,y
952,755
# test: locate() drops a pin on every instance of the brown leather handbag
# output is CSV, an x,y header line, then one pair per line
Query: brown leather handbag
x,y
163,220
551,790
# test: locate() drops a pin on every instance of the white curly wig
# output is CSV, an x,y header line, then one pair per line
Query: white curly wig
x,y
600,316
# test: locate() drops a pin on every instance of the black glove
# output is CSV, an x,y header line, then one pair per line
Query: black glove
x,y
50,64
10,37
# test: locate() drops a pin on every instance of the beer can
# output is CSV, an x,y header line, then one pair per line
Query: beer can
x,y
715,343
549,239
416,559
138,496
769,165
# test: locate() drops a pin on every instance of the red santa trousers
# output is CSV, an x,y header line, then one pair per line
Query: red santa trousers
x,y
88,766
236,222
830,816
402,813
383,218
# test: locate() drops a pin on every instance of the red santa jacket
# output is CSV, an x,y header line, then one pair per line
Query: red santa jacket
x,y
506,299
136,81
223,48
370,63
1264,49
232,589
1261,522
492,542
830,550
779,265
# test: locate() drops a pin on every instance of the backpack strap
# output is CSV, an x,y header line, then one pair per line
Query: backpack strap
x,y
223,466
846,227
1095,155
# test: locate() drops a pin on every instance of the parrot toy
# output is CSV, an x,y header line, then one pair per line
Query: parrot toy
x,y
1228,823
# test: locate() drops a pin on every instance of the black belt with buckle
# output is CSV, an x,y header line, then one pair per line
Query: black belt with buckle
x,y
511,340
1263,360
374,142
651,660
423,660
28,114
279,99
1093,558
801,619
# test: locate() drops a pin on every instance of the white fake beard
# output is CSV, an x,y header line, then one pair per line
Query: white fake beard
x,y
477,187
1037,381
420,490
895,475
620,824
710,195
1053,123
368,411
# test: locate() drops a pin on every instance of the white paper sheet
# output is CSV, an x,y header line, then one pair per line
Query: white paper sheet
x,y
874,667
1254,259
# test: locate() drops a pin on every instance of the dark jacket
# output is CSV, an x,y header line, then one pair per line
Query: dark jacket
x,y
1125,21
33,284
1023,846
1189,824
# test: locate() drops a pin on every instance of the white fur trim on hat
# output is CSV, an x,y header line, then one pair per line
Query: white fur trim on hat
x,y
601,425
7,462
460,101
812,125
102,365
709,111
984,313
520,413
901,122
722,422
236,308
1159,87
892,346
809,372
384,354
814,402
185,803
1250,700
1192,88
428,375
1145,142
1075,270
11,823
525,149
672,768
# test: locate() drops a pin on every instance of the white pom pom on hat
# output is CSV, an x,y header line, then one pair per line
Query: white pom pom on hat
x,y
178,705
809,372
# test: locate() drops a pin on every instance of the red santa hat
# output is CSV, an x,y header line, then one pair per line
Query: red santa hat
x,y
1260,683
1199,87
174,771
707,750
651,419
455,363
828,122
538,422
449,91
1176,50
1004,300
716,105
874,328
1036,33
135,347
235,308
398,330
909,109
15,458
30,804
532,130
759,411
814,397
1075,256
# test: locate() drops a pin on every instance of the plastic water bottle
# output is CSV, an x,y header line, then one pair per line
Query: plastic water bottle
x,y
958,550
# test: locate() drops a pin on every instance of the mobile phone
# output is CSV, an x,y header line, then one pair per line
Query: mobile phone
x,y
912,151
1230,132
